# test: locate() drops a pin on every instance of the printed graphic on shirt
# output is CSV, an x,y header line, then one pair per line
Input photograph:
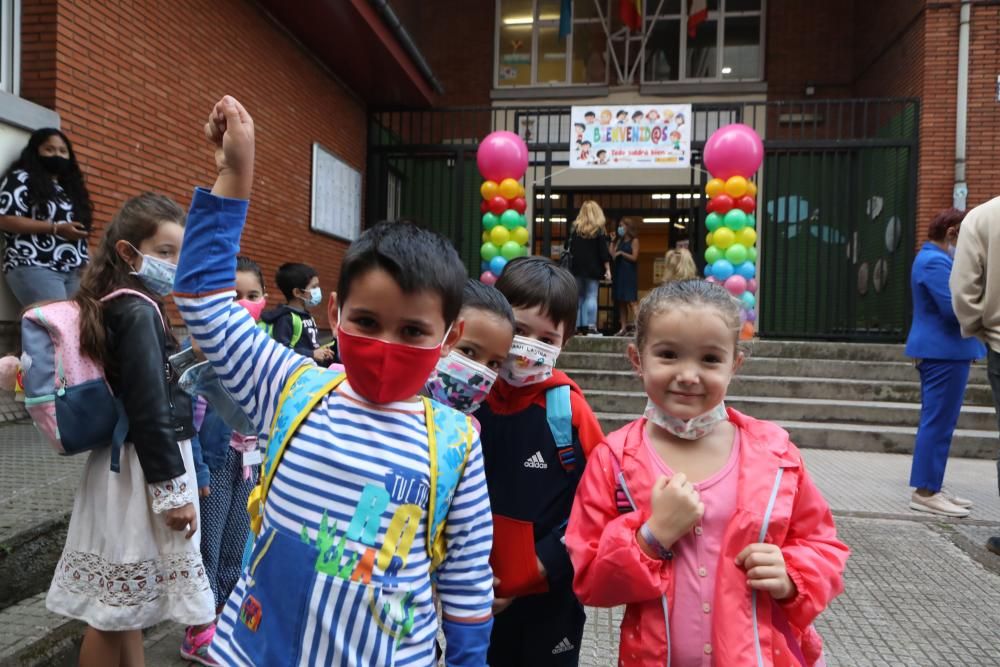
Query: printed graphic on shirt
x,y
44,250
536,461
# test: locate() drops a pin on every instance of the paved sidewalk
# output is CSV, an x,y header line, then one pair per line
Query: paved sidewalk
x,y
908,572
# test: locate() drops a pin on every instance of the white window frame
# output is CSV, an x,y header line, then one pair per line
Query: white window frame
x,y
10,42
719,16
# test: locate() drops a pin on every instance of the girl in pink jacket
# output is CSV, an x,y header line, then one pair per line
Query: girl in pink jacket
x,y
703,521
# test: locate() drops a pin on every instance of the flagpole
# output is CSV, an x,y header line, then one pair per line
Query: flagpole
x,y
645,39
607,34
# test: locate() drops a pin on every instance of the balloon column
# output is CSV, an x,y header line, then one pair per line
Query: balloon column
x,y
732,155
502,159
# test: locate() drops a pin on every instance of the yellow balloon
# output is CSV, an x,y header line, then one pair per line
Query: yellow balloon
x,y
716,186
499,235
519,235
747,236
509,188
489,190
520,190
708,240
751,188
486,237
736,186
724,237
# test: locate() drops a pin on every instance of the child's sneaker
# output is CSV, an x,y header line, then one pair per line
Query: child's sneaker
x,y
195,647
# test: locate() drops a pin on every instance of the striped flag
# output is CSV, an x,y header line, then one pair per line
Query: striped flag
x,y
630,12
697,13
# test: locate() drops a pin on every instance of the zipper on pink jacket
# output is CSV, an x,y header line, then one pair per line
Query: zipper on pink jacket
x,y
753,594
663,598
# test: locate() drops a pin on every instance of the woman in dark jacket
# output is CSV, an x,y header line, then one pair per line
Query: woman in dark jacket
x,y
588,245
943,358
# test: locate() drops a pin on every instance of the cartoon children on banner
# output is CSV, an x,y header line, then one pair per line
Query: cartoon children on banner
x,y
640,137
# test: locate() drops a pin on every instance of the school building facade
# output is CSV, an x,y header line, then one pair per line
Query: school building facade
x,y
371,109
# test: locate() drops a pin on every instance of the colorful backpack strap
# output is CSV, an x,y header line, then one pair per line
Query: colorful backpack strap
x,y
559,414
305,387
296,330
450,435
623,498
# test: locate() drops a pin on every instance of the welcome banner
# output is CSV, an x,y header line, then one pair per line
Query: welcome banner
x,y
631,137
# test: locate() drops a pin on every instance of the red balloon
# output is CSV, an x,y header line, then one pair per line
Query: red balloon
x,y
498,205
710,206
747,204
484,206
723,204
519,205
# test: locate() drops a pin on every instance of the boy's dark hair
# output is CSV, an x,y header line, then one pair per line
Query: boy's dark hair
x,y
486,297
247,265
601,152
292,276
590,113
528,282
580,125
417,259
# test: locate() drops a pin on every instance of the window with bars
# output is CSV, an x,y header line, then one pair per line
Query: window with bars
x,y
536,46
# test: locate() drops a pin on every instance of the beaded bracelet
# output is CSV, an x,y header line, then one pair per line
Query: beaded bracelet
x,y
661,551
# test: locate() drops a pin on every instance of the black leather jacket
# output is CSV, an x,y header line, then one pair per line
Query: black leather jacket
x,y
159,412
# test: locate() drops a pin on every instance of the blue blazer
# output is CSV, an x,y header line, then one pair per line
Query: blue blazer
x,y
935,333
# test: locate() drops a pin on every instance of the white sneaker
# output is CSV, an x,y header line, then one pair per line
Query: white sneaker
x,y
956,500
937,504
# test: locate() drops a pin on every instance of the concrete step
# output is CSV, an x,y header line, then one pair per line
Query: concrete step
x,y
875,371
973,417
32,636
793,387
852,437
768,348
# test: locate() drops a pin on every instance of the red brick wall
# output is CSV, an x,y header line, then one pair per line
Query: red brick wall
x,y
982,170
38,51
889,49
135,81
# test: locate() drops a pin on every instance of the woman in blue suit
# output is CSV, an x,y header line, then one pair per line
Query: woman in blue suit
x,y
943,358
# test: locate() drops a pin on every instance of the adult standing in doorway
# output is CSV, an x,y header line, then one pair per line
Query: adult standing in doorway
x,y
625,253
45,217
943,358
588,245
975,293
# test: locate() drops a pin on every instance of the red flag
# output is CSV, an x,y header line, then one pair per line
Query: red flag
x,y
630,12
697,13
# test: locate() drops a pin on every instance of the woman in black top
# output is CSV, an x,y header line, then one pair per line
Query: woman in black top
x,y
45,217
625,251
591,262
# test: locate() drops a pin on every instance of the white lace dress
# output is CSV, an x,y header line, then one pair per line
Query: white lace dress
x,y
122,568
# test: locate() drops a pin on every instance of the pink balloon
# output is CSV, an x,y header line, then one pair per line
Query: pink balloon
x,y
736,285
502,155
733,150
488,278
711,279
752,285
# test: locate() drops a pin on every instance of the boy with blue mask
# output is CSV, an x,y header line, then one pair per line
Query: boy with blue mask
x,y
291,324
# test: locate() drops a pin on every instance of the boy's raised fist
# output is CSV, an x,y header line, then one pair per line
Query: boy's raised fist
x,y
230,130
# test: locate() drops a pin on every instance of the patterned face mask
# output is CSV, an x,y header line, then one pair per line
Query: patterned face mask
x,y
692,429
529,362
156,274
460,382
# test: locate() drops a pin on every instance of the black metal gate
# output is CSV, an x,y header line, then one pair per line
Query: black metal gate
x,y
836,203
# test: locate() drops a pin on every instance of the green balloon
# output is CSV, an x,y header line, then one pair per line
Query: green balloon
x,y
751,221
713,221
524,251
510,250
490,221
735,220
712,254
751,254
511,219
736,253
488,251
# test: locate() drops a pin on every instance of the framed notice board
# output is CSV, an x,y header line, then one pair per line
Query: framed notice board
x,y
336,196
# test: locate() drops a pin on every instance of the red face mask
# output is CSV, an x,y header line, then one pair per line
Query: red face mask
x,y
255,308
384,372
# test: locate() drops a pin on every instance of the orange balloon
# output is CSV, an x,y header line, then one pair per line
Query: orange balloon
x,y
751,188
736,187
747,332
716,186
520,190
509,188
489,190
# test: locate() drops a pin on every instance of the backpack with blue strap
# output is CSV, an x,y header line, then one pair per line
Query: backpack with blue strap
x,y
559,415
450,438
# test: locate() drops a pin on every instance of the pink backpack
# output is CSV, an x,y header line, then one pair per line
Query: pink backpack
x,y
66,392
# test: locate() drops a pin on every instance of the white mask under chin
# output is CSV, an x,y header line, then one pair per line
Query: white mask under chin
x,y
690,429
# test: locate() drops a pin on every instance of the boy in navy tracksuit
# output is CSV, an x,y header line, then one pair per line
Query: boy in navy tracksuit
x,y
532,478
